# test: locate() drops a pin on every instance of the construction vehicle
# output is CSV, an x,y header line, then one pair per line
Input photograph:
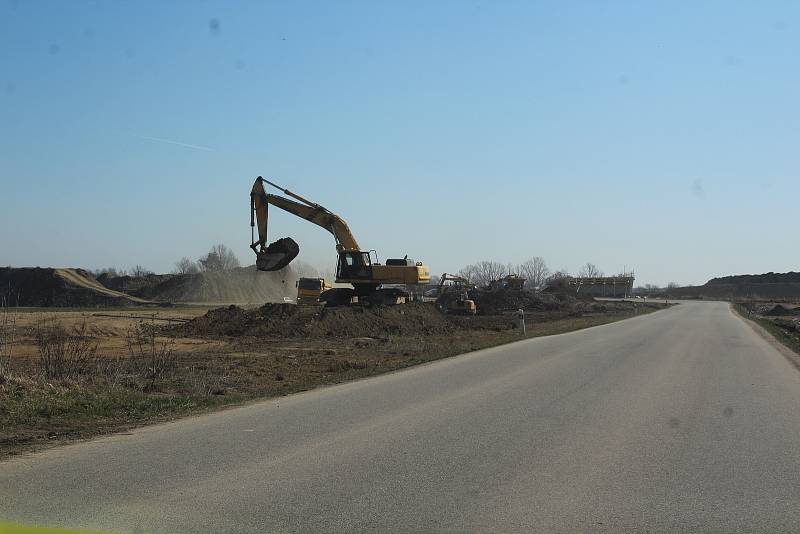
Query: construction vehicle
x,y
310,289
510,281
454,297
370,279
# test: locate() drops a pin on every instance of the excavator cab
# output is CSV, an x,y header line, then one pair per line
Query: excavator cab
x,y
354,265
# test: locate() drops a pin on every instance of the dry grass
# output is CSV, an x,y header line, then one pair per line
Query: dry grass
x,y
8,329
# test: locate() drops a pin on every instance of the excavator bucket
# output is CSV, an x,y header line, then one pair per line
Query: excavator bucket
x,y
277,255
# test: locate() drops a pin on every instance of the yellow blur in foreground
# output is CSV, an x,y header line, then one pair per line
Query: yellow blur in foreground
x,y
10,528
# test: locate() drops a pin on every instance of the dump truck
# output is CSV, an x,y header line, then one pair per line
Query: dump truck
x,y
310,289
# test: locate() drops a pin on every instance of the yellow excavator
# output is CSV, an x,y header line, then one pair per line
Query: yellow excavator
x,y
454,297
355,266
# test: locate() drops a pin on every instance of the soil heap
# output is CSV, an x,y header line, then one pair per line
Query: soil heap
x,y
288,320
244,285
493,302
46,287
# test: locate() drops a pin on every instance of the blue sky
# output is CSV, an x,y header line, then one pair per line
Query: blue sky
x,y
658,136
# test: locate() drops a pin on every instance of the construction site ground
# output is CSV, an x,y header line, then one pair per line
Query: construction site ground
x,y
214,357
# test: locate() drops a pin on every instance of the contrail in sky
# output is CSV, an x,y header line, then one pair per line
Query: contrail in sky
x,y
170,142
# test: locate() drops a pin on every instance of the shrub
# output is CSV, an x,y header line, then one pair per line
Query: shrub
x,y
63,352
157,356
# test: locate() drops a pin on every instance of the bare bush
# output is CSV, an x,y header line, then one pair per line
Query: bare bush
x,y
590,270
137,271
219,258
483,272
535,271
63,352
186,266
158,356
558,278
111,272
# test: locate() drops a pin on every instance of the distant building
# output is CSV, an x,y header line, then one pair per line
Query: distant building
x,y
619,286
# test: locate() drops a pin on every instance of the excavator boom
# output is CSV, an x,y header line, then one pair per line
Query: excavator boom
x,y
305,209
282,252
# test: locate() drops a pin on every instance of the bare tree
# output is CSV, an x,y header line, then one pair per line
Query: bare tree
x,y
673,285
219,258
590,270
652,288
186,266
111,272
138,271
536,272
468,272
483,272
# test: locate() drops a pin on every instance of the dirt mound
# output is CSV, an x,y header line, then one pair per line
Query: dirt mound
x,y
47,287
133,285
492,302
288,320
244,285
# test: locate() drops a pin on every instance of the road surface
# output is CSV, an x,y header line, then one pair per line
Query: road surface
x,y
682,420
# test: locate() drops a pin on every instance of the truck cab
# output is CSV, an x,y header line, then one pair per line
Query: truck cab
x,y
309,290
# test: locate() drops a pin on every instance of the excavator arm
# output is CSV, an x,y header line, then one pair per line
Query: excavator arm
x,y
282,252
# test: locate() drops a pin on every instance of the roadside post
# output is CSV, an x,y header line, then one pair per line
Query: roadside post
x,y
521,320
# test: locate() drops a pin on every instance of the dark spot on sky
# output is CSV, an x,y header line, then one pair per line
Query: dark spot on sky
x,y
13,4
674,422
9,88
697,189
213,26
130,53
623,79
53,49
727,412
732,61
240,65
780,26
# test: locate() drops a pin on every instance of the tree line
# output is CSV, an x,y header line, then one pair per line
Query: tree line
x,y
535,271
219,258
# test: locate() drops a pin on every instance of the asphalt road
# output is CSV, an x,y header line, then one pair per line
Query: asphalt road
x,y
683,420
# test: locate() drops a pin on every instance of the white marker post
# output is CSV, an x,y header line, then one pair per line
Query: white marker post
x,y
521,320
